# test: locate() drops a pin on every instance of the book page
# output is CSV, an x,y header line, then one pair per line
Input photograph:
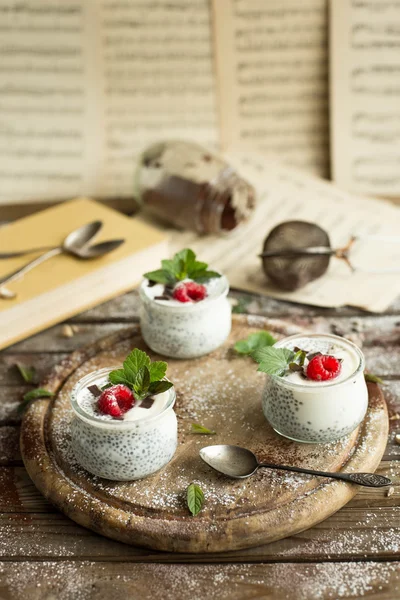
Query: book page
x,y
365,95
272,71
290,194
85,86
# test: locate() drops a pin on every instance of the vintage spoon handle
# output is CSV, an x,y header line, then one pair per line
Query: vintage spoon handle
x,y
5,255
30,265
365,479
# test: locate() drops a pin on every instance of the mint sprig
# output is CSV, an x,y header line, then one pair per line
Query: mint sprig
x,y
273,361
141,375
183,266
255,341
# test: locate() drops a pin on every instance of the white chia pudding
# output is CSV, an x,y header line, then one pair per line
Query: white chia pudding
x,y
185,330
306,410
133,447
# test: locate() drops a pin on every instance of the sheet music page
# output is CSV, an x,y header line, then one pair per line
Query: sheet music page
x,y
85,86
286,194
272,72
365,95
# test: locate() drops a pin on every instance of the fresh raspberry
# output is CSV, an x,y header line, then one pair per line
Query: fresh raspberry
x,y
195,291
190,291
181,294
116,400
323,367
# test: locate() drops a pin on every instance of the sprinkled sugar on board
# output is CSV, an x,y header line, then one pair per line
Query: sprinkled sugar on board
x,y
222,392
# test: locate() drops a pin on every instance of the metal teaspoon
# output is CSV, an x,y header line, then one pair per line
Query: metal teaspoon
x,y
241,463
74,244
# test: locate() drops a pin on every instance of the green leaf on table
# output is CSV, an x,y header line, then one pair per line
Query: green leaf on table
x,y
255,341
195,498
371,378
273,361
182,266
241,307
196,428
27,373
33,395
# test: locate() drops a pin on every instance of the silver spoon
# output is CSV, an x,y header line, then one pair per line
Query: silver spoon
x,y
241,463
78,238
7,255
74,244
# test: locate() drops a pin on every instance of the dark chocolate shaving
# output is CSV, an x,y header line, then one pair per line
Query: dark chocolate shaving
x,y
313,355
295,367
147,402
163,297
95,390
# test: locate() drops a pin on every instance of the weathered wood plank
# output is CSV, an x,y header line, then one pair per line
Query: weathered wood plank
x,y
43,362
68,580
369,526
9,445
375,332
126,307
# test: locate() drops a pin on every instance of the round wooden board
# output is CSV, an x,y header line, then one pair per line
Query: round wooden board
x,y
220,391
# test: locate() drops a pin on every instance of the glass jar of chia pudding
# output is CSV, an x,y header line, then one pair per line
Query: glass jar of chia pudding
x,y
312,411
185,330
133,447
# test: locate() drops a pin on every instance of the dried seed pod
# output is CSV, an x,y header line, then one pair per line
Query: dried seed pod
x,y
291,272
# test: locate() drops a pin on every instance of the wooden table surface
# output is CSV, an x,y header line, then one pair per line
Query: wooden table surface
x,y
353,554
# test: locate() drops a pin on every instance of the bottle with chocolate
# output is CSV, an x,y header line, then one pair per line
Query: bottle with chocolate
x,y
187,186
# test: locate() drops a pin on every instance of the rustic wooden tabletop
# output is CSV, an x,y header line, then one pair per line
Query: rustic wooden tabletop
x,y
353,554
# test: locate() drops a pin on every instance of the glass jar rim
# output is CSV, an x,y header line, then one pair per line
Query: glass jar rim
x,y
186,307
114,424
321,384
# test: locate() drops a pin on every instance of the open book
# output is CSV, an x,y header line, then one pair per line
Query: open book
x,y
86,86
65,285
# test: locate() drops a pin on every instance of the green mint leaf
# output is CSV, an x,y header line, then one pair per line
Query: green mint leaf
x,y
203,275
371,378
198,266
116,377
28,374
195,498
133,363
158,387
182,266
106,386
273,361
169,266
196,428
142,382
186,258
241,306
300,357
255,341
157,370
160,276
33,395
